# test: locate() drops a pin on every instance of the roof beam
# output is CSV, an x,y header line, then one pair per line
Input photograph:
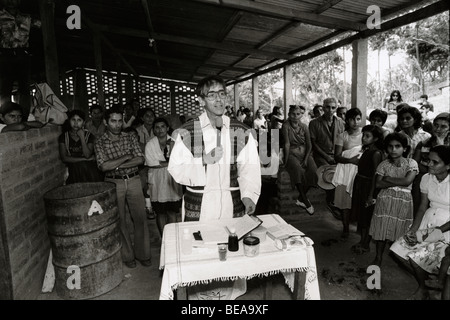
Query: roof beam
x,y
288,13
225,46
272,37
326,6
414,16
195,63
94,28
152,56
224,32
150,32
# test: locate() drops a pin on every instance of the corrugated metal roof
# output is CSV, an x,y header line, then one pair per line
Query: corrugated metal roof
x,y
194,38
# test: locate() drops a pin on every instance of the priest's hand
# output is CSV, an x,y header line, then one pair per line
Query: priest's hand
x,y
249,206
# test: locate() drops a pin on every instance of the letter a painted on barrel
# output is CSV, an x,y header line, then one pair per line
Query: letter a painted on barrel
x,y
74,281
95,208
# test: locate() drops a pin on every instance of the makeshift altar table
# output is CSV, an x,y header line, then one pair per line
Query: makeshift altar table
x,y
297,265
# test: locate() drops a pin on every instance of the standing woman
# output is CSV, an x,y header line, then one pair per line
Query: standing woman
x,y
297,152
346,153
76,149
394,99
440,136
409,120
425,254
164,192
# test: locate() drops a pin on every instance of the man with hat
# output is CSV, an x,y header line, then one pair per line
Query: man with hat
x,y
324,131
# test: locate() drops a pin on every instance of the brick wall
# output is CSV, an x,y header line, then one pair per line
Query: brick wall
x,y
29,167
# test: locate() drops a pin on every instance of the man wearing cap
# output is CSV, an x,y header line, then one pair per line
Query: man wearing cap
x,y
324,131
118,155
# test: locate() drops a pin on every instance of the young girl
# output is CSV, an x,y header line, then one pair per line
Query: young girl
x,y
393,212
364,191
76,149
346,153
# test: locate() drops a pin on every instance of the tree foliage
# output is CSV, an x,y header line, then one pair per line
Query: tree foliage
x,y
426,44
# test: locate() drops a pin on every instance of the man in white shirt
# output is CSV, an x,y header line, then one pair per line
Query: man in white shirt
x,y
216,158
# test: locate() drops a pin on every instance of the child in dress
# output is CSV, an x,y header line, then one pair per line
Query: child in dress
x,y
346,153
364,191
393,212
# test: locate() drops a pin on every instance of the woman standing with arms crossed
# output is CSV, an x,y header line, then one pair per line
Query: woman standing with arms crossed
x,y
76,149
393,212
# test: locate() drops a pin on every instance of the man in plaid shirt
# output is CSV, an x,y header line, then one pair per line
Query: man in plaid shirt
x,y
118,156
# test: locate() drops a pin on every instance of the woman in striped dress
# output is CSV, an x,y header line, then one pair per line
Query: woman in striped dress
x,y
393,212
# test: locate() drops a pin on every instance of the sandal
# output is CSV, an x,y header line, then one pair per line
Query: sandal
x,y
360,250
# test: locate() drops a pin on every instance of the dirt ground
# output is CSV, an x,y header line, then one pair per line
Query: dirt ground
x,y
342,275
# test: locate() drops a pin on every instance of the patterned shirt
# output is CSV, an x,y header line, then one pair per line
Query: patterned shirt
x,y
389,169
107,149
418,136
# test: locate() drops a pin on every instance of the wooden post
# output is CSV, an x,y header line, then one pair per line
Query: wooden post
x,y
287,89
99,68
359,76
173,107
129,88
80,99
119,81
255,96
47,16
236,97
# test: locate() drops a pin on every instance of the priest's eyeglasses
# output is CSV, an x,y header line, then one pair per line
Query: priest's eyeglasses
x,y
213,95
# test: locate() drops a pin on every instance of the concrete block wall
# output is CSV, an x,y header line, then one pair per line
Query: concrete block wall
x,y
29,167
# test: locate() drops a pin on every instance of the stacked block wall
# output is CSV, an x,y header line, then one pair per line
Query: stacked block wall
x,y
29,167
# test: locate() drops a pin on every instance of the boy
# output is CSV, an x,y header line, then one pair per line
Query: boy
x,y
11,118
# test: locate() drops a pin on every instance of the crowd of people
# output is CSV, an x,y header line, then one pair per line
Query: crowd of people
x,y
393,183
381,178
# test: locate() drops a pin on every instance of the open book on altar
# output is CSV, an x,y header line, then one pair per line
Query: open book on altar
x,y
217,233
283,231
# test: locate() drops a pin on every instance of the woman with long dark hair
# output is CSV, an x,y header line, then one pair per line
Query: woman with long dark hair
x,y
76,149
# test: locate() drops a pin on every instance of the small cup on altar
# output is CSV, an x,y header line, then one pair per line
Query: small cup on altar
x,y
223,248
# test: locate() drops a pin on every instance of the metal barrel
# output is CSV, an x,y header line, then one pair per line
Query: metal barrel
x,y
83,225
